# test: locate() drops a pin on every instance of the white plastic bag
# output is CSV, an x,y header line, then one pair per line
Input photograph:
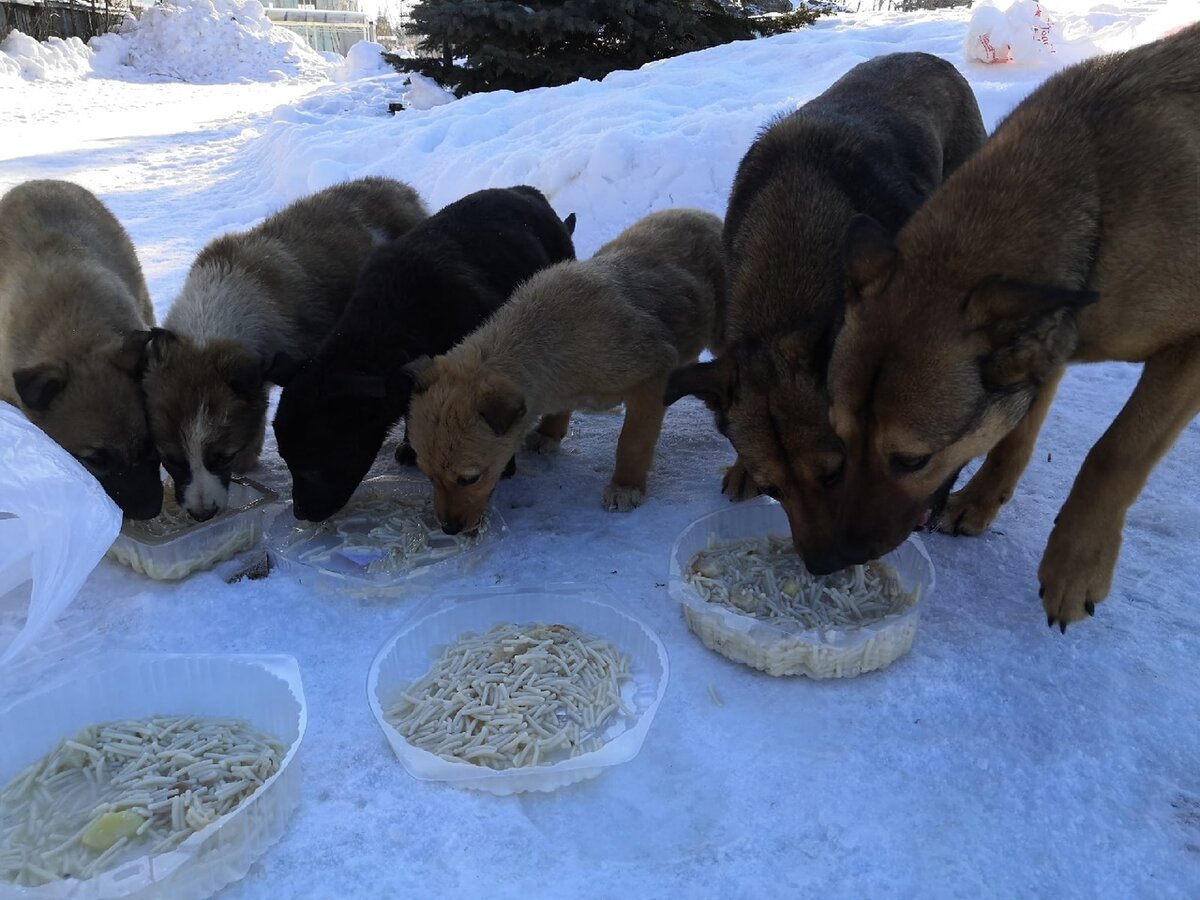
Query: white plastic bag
x,y
56,523
1021,31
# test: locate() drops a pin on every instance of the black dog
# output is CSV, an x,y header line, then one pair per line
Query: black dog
x,y
418,296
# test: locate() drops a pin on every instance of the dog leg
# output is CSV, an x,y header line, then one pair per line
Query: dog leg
x,y
1077,567
971,510
549,434
644,412
737,484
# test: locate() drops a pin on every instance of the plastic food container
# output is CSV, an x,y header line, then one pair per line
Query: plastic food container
x,y
201,545
316,552
783,648
264,690
408,655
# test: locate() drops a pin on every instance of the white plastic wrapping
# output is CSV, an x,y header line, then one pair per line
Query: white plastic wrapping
x,y
56,522
1021,31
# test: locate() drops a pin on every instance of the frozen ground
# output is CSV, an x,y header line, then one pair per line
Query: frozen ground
x,y
997,759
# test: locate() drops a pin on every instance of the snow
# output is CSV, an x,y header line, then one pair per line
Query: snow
x,y
997,758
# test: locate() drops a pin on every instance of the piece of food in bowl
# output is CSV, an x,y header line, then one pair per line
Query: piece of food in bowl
x,y
765,578
515,696
124,789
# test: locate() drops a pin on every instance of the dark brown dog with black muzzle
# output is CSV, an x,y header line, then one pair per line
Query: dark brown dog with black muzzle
x,y
878,141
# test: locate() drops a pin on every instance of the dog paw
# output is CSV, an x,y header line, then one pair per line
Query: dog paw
x,y
969,511
737,484
1077,568
405,455
621,498
540,443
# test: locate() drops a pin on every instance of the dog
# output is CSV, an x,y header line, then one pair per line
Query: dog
x,y
74,322
880,140
577,335
254,305
418,296
1056,243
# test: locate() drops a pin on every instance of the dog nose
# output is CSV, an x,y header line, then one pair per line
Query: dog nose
x,y
452,527
203,515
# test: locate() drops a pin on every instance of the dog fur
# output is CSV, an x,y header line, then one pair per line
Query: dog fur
x,y
254,305
1056,243
418,296
879,140
74,320
579,335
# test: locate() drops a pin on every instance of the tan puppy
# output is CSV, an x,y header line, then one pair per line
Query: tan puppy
x,y
74,314
578,335
256,304
1057,242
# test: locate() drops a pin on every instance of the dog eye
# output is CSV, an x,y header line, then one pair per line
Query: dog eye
x,y
464,481
175,467
98,459
830,479
903,463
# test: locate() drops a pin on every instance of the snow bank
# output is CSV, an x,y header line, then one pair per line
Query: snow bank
x,y
54,60
364,60
206,42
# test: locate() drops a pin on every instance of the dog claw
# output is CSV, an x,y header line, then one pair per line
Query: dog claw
x,y
1042,592
1062,627
1089,607
1049,621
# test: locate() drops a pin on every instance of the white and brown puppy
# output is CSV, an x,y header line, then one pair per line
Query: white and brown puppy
x,y
74,314
255,304
577,335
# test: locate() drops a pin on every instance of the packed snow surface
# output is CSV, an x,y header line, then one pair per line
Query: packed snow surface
x,y
998,758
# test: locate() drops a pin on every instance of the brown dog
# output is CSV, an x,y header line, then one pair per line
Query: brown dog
x,y
1055,243
256,304
878,141
578,335
74,314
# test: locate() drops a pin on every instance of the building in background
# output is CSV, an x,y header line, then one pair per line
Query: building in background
x,y
326,25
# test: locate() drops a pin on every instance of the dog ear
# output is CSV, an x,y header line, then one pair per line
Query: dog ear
x,y
246,379
868,256
37,386
132,356
1032,329
501,406
569,224
422,373
711,382
282,369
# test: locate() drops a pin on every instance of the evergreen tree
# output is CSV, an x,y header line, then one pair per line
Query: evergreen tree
x,y
486,45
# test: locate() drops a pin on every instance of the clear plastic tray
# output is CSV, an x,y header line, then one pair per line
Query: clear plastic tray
x,y
408,654
264,690
782,648
201,545
291,540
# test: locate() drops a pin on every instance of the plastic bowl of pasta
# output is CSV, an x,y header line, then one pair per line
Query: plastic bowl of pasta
x,y
525,690
148,776
172,545
383,537
748,596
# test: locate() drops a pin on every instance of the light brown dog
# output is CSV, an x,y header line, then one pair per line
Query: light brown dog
x,y
74,314
255,305
1074,235
878,141
578,335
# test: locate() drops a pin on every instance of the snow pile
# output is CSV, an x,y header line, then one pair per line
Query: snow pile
x,y
54,60
206,42
364,60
